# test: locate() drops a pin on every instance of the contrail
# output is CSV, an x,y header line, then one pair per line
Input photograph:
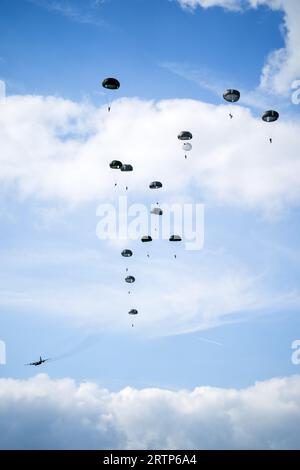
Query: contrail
x,y
84,344
211,341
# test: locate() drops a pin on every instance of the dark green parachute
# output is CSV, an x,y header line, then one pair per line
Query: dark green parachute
x,y
111,84
146,238
157,211
130,279
270,116
185,135
155,185
175,238
115,165
133,311
232,96
126,253
126,167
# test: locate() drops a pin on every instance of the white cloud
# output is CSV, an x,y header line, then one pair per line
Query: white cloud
x,y
2,91
201,76
185,295
282,66
207,79
80,15
40,413
57,149
234,5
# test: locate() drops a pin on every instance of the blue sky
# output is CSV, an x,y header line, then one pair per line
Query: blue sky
x,y
62,290
131,41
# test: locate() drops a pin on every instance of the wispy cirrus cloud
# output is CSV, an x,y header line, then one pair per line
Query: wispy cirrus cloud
x,y
207,79
203,77
232,5
218,291
84,14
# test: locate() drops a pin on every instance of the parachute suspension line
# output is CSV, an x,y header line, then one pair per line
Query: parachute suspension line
x,y
126,168
156,213
269,117
108,103
115,165
185,136
110,84
146,239
133,311
175,238
231,96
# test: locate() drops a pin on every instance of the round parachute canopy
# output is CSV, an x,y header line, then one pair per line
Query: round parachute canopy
x,y
270,116
111,83
232,96
146,238
175,238
187,146
133,311
157,211
155,185
115,165
185,135
126,253
126,167
130,279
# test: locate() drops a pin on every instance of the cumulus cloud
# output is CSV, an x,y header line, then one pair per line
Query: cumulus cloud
x,y
40,413
282,66
57,149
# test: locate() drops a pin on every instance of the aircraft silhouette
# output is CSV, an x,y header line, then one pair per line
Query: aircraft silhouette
x,y
37,363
